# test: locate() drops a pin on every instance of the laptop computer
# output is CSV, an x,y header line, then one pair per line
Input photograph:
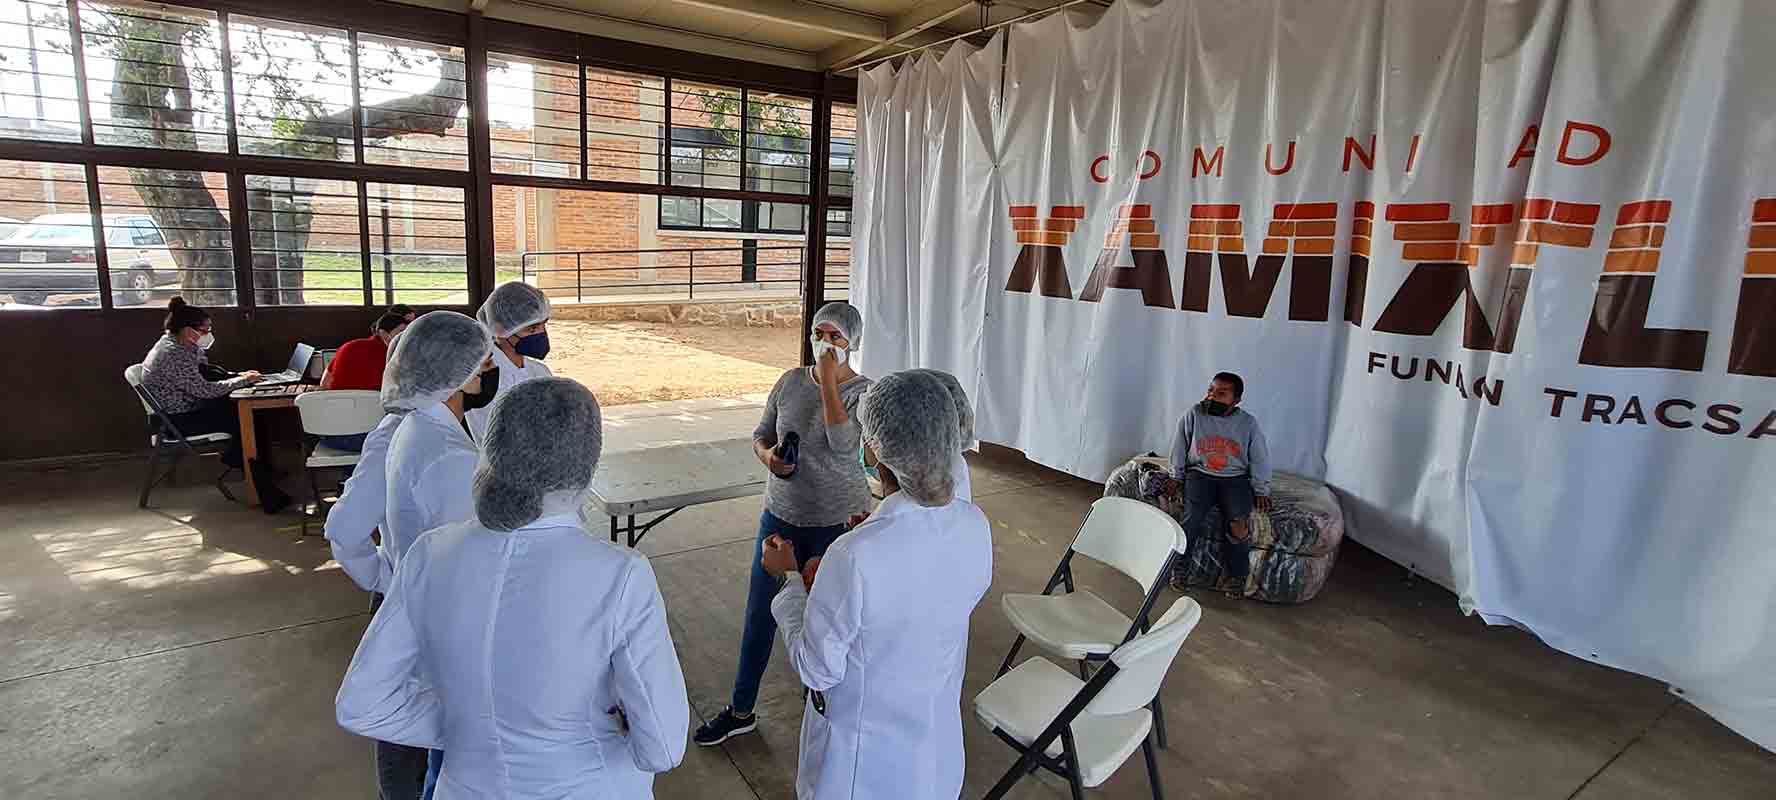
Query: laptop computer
x,y
296,370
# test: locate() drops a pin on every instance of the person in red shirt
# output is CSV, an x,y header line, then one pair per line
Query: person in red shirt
x,y
358,365
359,362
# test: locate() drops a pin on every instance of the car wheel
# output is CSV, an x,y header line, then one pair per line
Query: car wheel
x,y
29,298
141,288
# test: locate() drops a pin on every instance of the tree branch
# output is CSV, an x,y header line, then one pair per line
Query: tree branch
x,y
432,111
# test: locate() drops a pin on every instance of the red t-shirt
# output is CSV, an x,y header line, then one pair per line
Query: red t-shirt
x,y
358,365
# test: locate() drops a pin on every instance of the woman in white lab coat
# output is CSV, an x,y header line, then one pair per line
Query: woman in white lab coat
x,y
517,314
533,653
882,638
420,479
433,377
965,425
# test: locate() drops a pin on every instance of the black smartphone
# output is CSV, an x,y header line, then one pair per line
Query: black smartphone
x,y
789,448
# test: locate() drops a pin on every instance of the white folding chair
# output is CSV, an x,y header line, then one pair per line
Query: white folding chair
x,y
165,438
1135,539
332,413
1084,730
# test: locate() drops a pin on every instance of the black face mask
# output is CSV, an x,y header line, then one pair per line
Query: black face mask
x,y
534,346
1214,408
483,398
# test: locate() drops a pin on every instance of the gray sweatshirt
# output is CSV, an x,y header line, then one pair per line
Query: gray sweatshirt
x,y
828,486
1225,447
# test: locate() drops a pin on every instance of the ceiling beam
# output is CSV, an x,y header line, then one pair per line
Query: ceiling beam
x,y
547,15
909,30
826,19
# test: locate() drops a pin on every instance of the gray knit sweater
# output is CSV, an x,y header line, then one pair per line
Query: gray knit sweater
x,y
828,486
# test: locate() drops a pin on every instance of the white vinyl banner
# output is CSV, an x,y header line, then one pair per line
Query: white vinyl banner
x,y
1503,272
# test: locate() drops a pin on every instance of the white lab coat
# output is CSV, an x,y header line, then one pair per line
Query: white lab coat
x,y
510,375
964,482
431,475
885,636
508,650
359,512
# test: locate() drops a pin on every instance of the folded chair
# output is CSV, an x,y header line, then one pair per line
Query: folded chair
x,y
1133,538
1084,730
332,413
166,442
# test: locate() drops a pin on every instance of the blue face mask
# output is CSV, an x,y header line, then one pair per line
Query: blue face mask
x,y
534,346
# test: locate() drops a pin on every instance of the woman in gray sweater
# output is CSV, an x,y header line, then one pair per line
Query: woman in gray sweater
x,y
808,502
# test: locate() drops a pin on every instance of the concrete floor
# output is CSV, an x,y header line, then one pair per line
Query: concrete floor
x,y
193,651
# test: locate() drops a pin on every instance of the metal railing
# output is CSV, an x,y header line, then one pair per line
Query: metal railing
x,y
738,272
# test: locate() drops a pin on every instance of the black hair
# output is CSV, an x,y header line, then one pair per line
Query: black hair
x,y
401,310
388,322
1239,385
181,316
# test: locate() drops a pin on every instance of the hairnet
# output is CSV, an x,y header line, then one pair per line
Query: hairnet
x,y
513,306
437,355
543,438
909,420
964,409
843,316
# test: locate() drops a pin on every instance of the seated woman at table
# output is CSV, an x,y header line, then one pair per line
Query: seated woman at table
x,y
534,655
173,374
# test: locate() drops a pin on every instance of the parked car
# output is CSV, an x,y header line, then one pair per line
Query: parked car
x,y
54,254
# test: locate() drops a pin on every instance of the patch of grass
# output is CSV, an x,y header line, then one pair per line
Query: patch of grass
x,y
331,279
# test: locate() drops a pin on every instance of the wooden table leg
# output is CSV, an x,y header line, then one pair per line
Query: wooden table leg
x,y
249,448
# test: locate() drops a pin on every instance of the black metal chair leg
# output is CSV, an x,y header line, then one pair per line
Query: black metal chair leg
x,y
148,483
1006,667
1152,768
1159,722
1025,765
1083,674
222,484
314,497
1071,758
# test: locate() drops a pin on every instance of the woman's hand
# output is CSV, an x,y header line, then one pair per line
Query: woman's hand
x,y
778,558
252,376
808,571
767,455
826,370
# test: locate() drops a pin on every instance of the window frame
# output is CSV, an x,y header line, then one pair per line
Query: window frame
x,y
476,41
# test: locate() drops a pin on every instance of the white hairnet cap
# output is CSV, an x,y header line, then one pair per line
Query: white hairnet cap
x,y
964,409
843,316
543,438
512,307
437,355
909,420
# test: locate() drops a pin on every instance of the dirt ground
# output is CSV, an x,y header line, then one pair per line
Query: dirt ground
x,y
638,362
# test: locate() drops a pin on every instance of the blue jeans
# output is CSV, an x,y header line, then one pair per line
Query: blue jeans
x,y
434,765
351,443
1234,495
761,627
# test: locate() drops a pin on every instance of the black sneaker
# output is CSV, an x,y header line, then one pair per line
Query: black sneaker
x,y
725,726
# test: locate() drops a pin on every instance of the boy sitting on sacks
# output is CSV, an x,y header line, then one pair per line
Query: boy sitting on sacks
x,y
1220,458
